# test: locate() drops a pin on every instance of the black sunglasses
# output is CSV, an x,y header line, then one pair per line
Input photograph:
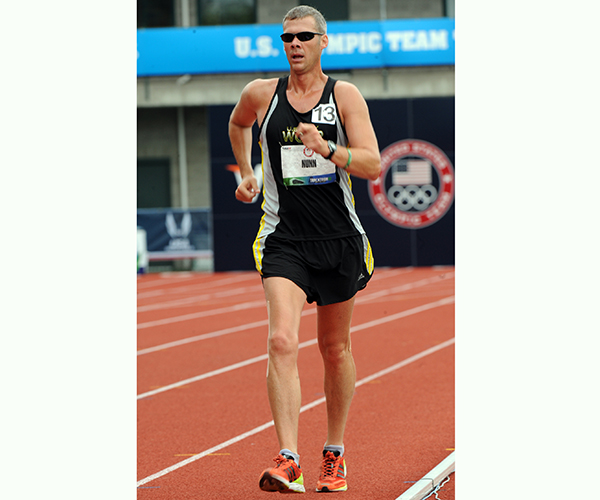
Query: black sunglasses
x,y
303,36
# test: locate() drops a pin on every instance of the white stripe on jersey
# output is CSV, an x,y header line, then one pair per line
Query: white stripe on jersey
x,y
270,204
345,182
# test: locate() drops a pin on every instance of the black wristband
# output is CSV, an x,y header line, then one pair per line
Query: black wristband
x,y
332,149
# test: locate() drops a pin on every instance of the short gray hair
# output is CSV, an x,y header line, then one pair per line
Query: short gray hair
x,y
302,11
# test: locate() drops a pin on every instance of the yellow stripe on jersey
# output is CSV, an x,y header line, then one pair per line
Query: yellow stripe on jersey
x,y
369,260
256,246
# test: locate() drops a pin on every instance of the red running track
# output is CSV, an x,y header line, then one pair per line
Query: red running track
x,y
204,425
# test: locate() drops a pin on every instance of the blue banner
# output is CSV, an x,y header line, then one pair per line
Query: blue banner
x,y
176,233
425,122
258,48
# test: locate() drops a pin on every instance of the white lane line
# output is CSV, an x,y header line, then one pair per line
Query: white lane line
x,y
306,312
225,369
430,481
162,280
233,278
359,300
369,324
219,371
218,333
407,361
203,314
415,310
306,407
402,288
189,301
206,284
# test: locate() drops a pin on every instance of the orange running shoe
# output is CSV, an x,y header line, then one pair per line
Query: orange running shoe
x,y
333,472
285,477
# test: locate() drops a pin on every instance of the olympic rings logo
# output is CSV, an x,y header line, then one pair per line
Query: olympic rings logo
x,y
417,197
419,203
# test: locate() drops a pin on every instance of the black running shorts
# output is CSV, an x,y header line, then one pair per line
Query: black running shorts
x,y
328,271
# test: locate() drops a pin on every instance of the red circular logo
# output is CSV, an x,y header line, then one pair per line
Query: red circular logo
x,y
416,186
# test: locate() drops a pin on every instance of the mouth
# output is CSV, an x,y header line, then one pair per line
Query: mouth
x,y
297,57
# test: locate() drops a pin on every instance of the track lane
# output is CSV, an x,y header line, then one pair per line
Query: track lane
x,y
399,439
208,352
180,331
167,423
192,297
159,367
200,406
301,345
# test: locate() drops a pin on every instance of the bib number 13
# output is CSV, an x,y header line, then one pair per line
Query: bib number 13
x,y
324,113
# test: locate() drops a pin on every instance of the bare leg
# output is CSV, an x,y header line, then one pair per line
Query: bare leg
x,y
340,371
285,301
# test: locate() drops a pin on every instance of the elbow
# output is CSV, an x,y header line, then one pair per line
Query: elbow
x,y
374,174
232,128
231,124
375,170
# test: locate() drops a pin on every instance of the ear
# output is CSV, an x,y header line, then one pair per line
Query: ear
x,y
324,41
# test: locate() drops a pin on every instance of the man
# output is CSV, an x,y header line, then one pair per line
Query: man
x,y
310,245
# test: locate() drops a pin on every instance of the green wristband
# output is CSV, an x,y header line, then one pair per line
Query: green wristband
x,y
349,159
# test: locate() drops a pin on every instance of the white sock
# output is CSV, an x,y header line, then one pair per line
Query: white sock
x,y
291,454
334,447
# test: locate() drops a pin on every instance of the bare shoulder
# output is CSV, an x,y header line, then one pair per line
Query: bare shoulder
x,y
347,92
350,101
253,102
259,90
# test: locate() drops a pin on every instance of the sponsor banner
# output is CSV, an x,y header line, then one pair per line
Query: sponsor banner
x,y
176,233
258,48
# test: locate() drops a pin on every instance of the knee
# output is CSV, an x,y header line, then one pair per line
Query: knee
x,y
335,353
283,343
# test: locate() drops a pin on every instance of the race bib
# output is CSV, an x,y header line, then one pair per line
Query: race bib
x,y
324,113
301,166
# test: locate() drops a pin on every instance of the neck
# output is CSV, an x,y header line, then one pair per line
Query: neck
x,y
307,82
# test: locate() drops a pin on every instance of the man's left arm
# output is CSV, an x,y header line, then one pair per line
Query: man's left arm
x,y
363,159
353,110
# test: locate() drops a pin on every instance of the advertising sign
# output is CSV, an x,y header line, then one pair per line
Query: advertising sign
x,y
258,48
176,233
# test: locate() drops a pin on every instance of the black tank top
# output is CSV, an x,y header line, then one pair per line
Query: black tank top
x,y
306,212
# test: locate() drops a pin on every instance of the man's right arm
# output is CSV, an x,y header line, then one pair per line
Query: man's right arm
x,y
249,107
